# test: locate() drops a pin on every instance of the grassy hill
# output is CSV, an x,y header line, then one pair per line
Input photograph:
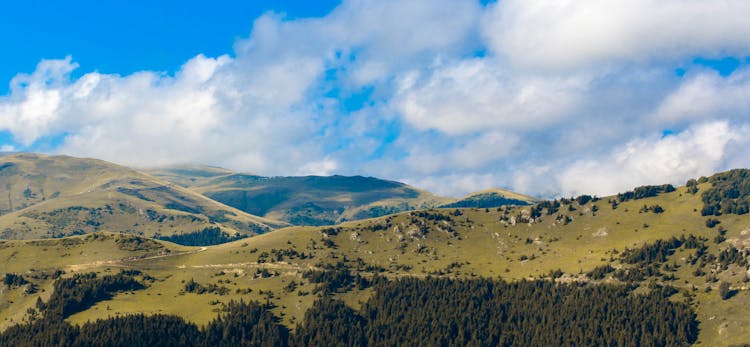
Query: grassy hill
x,y
54,196
492,198
307,200
694,238
189,175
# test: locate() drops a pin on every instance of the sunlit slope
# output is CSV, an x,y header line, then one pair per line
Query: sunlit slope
x,y
508,243
53,196
41,261
306,200
494,242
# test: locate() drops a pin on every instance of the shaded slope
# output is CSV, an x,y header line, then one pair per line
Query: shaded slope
x,y
306,200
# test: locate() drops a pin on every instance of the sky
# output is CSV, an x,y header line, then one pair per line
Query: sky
x,y
548,97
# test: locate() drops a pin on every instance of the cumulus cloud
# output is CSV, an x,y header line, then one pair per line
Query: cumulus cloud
x,y
369,39
325,167
466,153
699,150
147,118
544,97
475,94
32,108
448,185
553,35
707,95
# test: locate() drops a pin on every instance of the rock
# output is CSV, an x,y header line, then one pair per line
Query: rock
x,y
601,232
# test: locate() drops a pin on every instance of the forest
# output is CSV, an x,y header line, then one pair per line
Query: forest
x,y
205,237
408,311
485,200
729,193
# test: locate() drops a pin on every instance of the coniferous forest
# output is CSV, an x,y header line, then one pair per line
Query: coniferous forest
x,y
409,311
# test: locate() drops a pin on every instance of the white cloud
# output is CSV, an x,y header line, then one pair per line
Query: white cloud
x,y
324,167
32,108
700,150
371,39
209,111
478,94
581,34
708,95
453,184
388,36
467,153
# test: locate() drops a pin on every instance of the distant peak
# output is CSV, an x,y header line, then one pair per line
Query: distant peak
x,y
502,192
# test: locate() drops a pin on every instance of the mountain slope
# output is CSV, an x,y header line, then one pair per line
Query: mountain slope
x,y
492,198
307,200
188,175
650,237
53,196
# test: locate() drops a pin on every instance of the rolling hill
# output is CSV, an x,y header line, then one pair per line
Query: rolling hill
x,y
690,243
492,198
305,200
54,196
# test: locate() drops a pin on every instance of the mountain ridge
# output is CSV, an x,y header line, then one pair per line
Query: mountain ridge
x,y
54,196
309,200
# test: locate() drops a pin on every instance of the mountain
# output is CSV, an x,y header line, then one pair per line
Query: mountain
x,y
494,197
690,244
189,175
305,200
54,196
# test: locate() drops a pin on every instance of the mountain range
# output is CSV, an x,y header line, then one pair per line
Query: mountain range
x,y
55,196
687,244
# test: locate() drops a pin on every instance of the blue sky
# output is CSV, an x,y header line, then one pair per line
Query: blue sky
x,y
128,36
449,95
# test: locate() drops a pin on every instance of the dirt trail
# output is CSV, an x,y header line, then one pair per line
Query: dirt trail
x,y
95,264
124,261
275,266
283,266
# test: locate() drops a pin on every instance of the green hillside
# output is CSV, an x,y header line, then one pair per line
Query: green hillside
x,y
306,200
54,196
492,198
694,239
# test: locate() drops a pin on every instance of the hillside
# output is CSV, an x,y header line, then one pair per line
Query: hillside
x,y
492,198
306,200
54,196
695,239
